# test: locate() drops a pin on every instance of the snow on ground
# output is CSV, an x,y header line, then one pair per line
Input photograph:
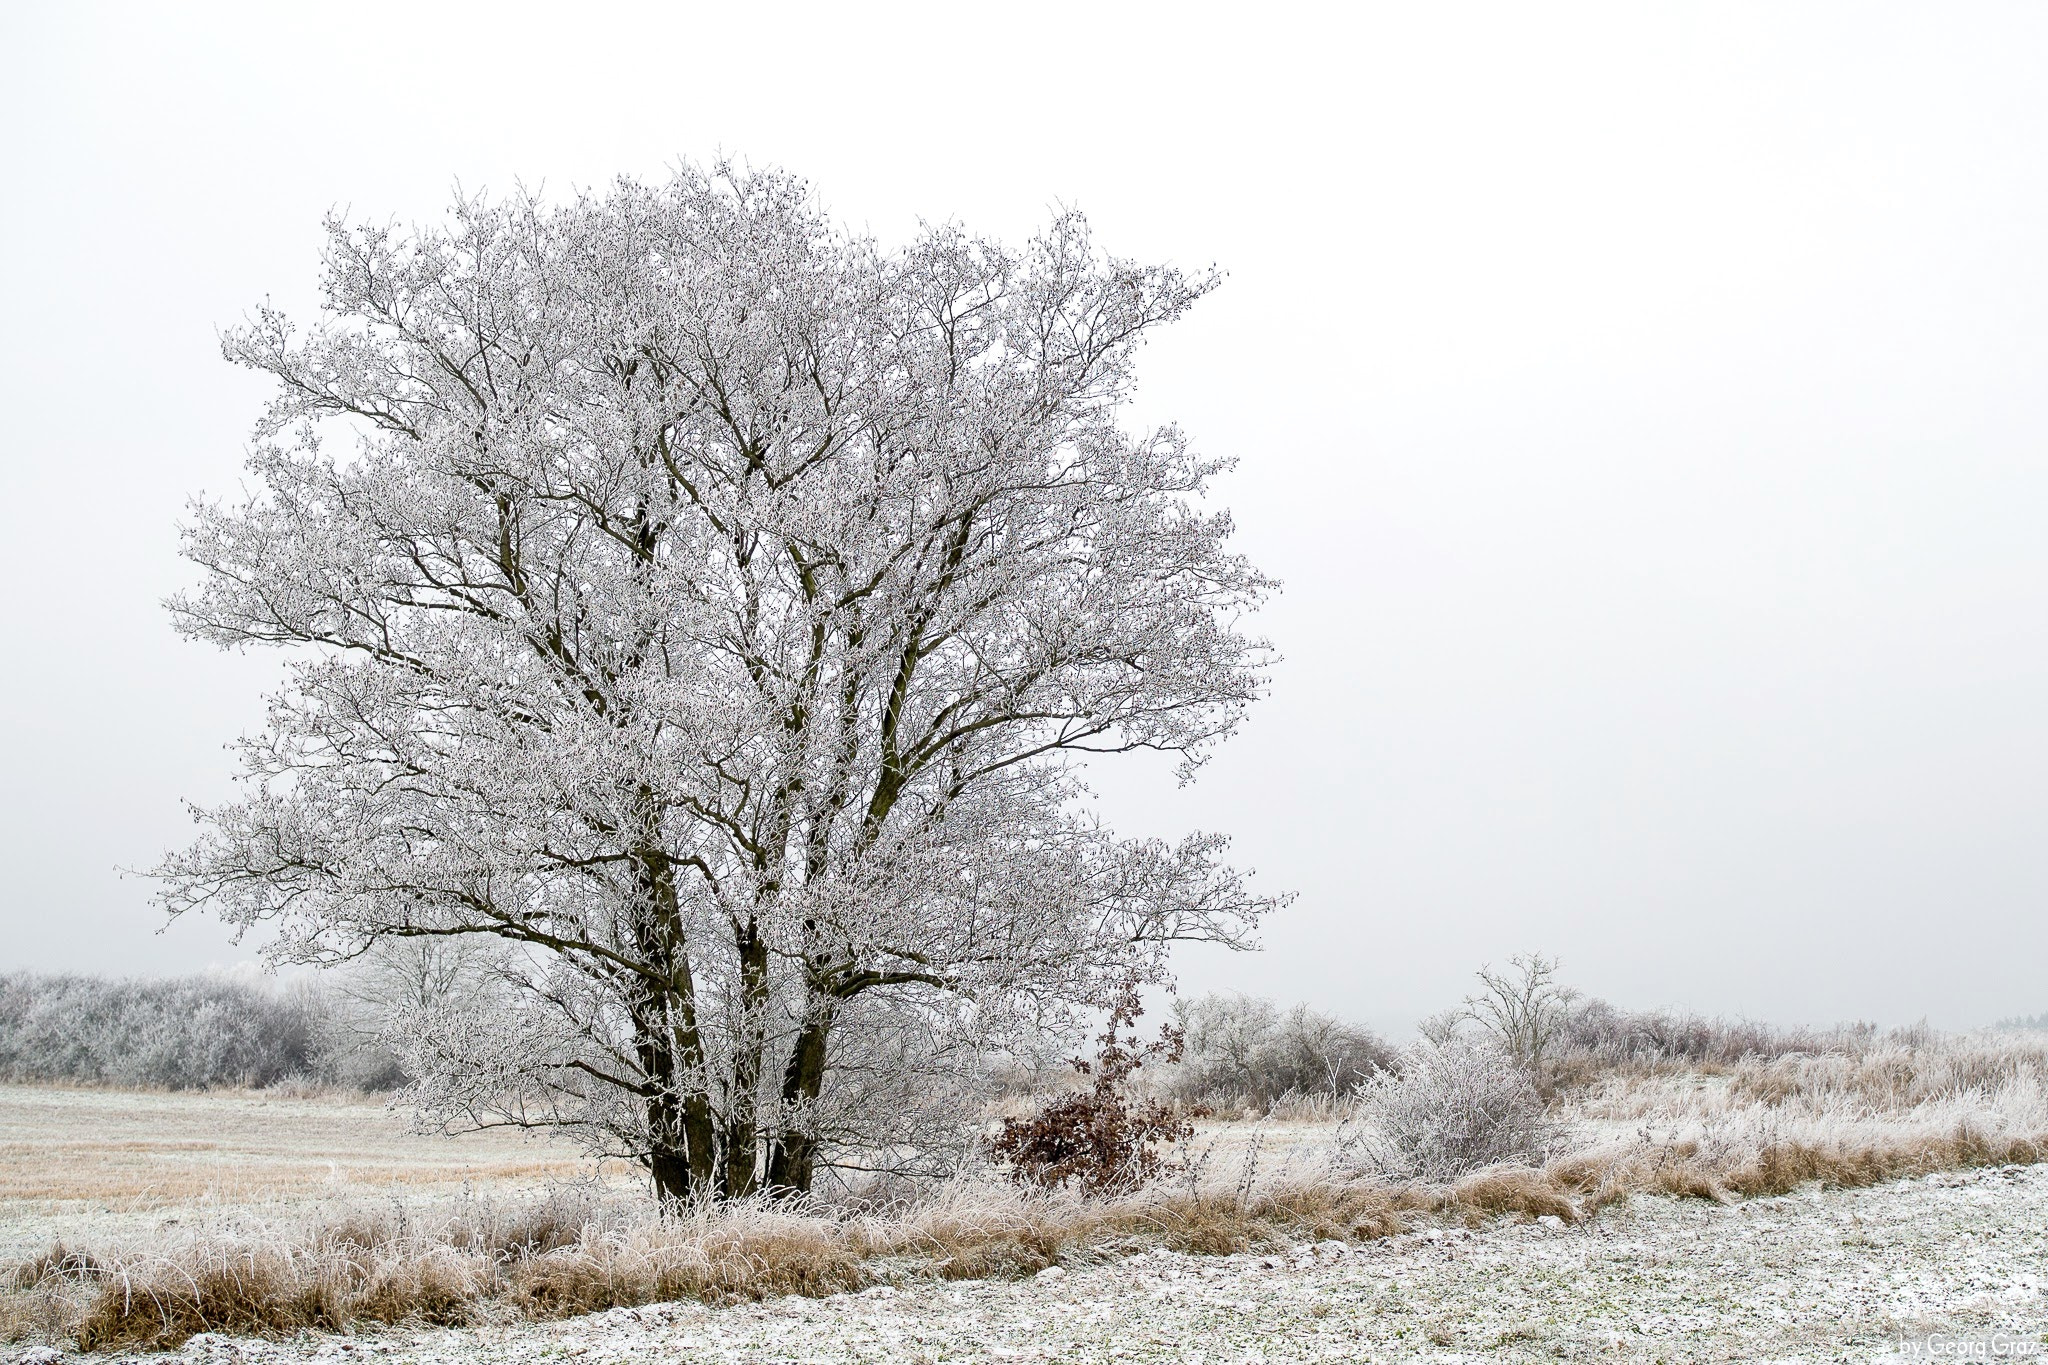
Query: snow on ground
x,y
113,1169
1813,1276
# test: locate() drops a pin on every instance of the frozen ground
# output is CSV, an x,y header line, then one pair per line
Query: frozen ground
x,y
1813,1276
112,1168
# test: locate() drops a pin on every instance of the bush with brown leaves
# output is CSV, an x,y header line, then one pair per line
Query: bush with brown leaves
x,y
1100,1140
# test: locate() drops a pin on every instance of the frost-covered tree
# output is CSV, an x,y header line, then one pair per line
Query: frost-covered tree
x,y
713,606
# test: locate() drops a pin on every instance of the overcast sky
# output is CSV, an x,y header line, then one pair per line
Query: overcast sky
x,y
1644,406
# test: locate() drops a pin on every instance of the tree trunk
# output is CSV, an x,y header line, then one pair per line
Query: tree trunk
x,y
682,1147
681,1141
795,1152
674,1184
742,1128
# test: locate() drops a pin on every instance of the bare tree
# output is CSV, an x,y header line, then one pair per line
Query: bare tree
x,y
379,1001
1523,1008
712,606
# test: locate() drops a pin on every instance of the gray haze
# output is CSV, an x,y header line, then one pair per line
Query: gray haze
x,y
1644,406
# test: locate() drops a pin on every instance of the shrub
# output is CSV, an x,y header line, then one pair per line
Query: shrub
x,y
1099,1139
1453,1108
1558,1036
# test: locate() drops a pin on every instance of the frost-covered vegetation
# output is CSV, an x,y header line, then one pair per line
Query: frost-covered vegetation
x,y
343,1028
185,1032
1452,1107
1759,1128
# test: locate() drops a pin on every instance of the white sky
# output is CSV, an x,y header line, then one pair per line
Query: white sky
x,y
1643,404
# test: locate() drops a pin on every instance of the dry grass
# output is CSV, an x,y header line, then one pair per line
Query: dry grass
x,y
561,1259
1887,1071
274,1291
330,1278
1897,1077
159,1151
1684,1170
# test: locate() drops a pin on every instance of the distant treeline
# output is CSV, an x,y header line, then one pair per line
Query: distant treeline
x,y
185,1032
1597,1032
220,1029
1244,1052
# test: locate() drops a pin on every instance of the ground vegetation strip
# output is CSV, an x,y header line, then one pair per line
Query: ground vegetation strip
x,y
187,1032
1812,1275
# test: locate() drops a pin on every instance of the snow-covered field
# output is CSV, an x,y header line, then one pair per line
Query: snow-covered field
x,y
1850,1275
109,1168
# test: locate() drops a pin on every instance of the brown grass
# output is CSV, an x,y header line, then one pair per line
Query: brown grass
x,y
58,1263
1527,1193
547,1265
131,1150
276,1292
1683,1170
37,1312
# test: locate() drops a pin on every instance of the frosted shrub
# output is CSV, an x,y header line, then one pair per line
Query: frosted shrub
x,y
1454,1107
